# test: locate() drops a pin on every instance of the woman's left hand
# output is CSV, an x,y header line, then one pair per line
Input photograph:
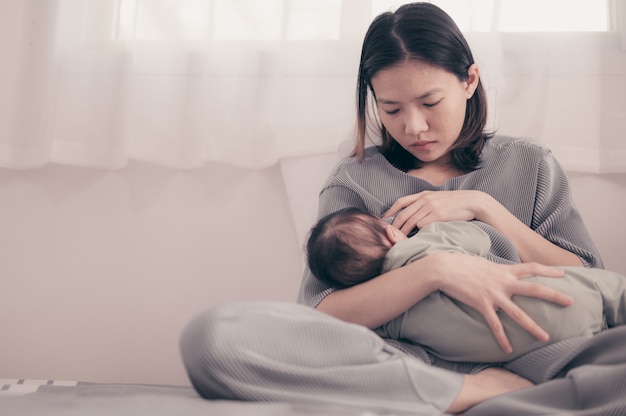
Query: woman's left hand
x,y
423,208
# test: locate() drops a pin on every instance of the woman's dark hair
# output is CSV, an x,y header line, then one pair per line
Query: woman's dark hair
x,y
346,248
421,32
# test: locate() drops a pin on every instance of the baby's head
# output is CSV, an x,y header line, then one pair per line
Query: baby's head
x,y
349,246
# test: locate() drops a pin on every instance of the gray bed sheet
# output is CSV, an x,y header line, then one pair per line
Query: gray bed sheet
x,y
92,399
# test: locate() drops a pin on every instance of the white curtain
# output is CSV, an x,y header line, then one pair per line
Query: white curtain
x,y
182,83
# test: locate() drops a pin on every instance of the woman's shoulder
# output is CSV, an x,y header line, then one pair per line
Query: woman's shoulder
x,y
370,155
503,142
372,163
502,146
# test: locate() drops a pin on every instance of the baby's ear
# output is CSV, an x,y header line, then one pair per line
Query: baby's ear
x,y
392,234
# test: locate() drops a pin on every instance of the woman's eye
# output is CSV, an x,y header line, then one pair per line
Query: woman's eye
x,y
432,104
391,112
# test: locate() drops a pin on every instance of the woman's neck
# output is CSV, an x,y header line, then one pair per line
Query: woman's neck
x,y
436,174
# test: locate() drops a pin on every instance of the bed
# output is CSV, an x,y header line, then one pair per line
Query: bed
x,y
26,397
587,379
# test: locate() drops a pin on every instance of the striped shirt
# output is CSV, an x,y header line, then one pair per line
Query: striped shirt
x,y
522,175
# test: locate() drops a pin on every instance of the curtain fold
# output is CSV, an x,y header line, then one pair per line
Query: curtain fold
x,y
182,83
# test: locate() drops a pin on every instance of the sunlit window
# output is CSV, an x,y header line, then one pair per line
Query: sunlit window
x,y
314,19
257,20
553,16
164,19
520,15
301,20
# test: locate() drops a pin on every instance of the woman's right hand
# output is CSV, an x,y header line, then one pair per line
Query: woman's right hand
x,y
489,287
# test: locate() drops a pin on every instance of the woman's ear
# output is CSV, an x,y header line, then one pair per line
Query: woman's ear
x,y
473,76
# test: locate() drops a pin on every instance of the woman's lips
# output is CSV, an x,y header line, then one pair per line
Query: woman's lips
x,y
423,145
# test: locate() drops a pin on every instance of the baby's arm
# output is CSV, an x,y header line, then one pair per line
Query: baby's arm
x,y
452,237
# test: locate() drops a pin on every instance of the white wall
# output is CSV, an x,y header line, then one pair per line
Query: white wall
x,y
101,270
601,200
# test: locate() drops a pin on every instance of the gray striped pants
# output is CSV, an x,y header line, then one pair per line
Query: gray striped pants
x,y
286,352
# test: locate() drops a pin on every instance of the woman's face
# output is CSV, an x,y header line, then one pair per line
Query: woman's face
x,y
423,107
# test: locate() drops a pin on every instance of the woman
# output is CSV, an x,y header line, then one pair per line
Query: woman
x,y
435,163
433,111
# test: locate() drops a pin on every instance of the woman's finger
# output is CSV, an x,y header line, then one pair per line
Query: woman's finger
x,y
524,321
400,204
410,224
497,329
539,291
407,218
530,269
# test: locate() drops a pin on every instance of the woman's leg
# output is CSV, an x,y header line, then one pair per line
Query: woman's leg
x,y
589,379
272,351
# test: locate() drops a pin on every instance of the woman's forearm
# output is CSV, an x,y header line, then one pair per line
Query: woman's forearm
x,y
385,297
530,246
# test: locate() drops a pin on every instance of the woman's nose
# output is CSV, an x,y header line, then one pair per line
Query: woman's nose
x,y
415,123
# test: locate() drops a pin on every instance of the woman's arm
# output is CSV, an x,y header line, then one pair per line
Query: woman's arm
x,y
380,300
530,245
540,220
475,281
423,208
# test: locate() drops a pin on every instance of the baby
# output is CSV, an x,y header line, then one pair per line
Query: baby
x,y
351,246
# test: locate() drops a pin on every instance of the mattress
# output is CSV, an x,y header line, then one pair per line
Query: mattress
x,y
27,397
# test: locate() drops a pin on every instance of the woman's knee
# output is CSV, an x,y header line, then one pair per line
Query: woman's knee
x,y
203,351
219,345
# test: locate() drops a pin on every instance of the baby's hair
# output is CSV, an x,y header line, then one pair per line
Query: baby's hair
x,y
347,247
